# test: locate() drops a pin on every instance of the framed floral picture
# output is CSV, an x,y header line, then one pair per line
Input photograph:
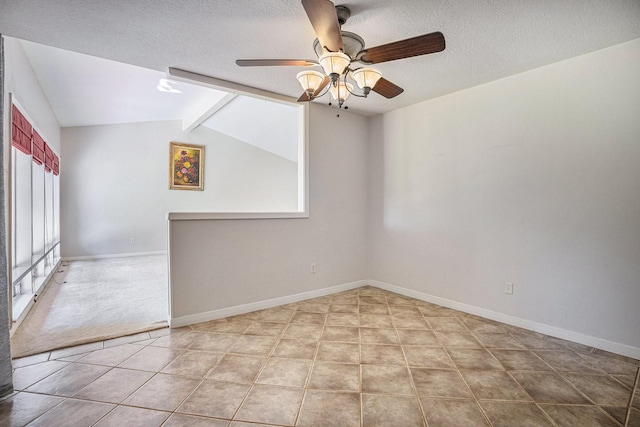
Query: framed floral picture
x,y
186,166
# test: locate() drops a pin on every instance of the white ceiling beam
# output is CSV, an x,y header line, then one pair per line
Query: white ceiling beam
x,y
190,124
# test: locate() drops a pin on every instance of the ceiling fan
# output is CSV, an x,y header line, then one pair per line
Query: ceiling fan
x,y
338,50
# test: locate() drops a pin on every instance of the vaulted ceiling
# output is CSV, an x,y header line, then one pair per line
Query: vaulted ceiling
x,y
485,40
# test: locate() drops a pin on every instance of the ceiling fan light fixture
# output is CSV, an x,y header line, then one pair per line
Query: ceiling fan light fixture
x,y
366,77
310,80
334,62
341,91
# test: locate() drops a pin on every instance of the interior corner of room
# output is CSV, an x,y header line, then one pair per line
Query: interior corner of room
x,y
514,199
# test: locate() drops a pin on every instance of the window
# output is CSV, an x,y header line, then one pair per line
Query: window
x,y
35,211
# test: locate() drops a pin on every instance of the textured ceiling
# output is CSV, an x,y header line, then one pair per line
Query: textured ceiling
x,y
486,40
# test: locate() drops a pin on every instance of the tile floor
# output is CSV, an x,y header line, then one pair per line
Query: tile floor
x,y
363,357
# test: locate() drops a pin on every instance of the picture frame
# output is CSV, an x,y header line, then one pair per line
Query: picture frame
x,y
186,166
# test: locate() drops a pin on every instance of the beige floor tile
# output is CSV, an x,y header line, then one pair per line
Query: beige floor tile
x,y
329,409
548,387
237,368
180,339
377,354
343,319
534,341
427,357
375,321
372,299
341,333
217,342
610,364
21,408
378,336
111,356
30,360
394,299
271,405
303,331
494,385
253,345
446,324
285,372
567,361
602,389
633,419
410,322
343,308
265,328
73,412
296,348
231,326
386,380
192,363
374,309
439,383
334,376
79,349
583,416
126,415
163,392
452,413
418,337
31,374
135,338
384,411
276,314
477,325
457,339
473,358
509,414
405,312
310,318
151,359
332,351
114,386
182,420
520,360
499,341
69,380
617,413
215,399
314,307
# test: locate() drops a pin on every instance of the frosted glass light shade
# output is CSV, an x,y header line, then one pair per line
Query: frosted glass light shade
x,y
310,80
341,91
366,77
334,62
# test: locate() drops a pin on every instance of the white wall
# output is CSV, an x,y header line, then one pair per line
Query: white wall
x,y
22,83
115,184
217,264
533,179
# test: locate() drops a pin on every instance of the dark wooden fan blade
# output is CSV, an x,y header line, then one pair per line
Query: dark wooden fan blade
x,y
324,84
275,62
421,45
304,97
324,19
387,89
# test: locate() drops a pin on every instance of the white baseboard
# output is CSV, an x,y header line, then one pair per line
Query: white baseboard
x,y
622,349
105,256
261,305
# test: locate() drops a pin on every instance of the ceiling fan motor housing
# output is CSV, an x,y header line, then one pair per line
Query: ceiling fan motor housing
x,y
353,44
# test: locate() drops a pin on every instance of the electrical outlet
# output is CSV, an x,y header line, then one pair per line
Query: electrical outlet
x,y
132,241
508,288
313,268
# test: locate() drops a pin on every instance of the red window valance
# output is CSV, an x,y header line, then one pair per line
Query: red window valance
x,y
48,158
21,131
56,164
38,148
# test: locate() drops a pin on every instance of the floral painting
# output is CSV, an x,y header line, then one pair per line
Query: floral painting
x,y
186,167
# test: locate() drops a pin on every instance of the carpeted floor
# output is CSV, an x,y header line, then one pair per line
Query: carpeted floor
x,y
95,300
